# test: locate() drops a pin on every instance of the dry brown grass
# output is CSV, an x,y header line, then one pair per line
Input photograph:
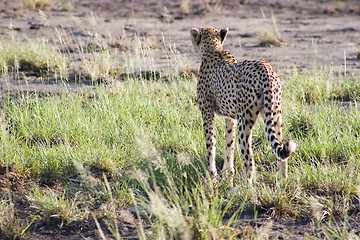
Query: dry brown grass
x,y
34,4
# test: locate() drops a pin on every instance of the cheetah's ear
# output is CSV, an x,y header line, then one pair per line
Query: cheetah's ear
x,y
223,34
195,35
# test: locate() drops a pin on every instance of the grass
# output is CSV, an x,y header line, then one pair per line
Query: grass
x,y
269,38
133,152
270,35
11,227
35,4
51,205
58,125
150,133
30,55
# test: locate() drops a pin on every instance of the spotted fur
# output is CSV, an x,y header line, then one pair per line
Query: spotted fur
x,y
239,91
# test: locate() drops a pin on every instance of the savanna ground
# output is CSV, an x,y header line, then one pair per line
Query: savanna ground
x,y
101,137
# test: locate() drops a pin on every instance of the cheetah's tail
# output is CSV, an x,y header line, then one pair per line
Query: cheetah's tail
x,y
288,148
272,115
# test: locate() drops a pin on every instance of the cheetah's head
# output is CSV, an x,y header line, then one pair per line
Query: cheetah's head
x,y
207,39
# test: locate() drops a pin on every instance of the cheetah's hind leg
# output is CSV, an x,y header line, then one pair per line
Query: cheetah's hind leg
x,y
245,125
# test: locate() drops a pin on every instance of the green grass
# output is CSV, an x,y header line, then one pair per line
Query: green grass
x,y
11,226
147,135
31,55
138,145
94,127
319,86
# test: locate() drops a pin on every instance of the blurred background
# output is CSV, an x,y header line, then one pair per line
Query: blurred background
x,y
301,34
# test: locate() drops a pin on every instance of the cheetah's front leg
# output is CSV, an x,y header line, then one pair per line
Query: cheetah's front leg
x,y
230,145
210,138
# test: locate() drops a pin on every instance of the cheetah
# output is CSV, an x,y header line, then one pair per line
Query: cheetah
x,y
239,91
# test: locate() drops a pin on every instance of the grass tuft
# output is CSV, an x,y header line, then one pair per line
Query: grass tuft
x,y
55,206
269,38
31,56
11,226
321,86
34,4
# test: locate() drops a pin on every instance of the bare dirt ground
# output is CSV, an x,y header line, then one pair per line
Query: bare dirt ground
x,y
321,33
313,33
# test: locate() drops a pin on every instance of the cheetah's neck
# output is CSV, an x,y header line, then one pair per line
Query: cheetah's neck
x,y
218,56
